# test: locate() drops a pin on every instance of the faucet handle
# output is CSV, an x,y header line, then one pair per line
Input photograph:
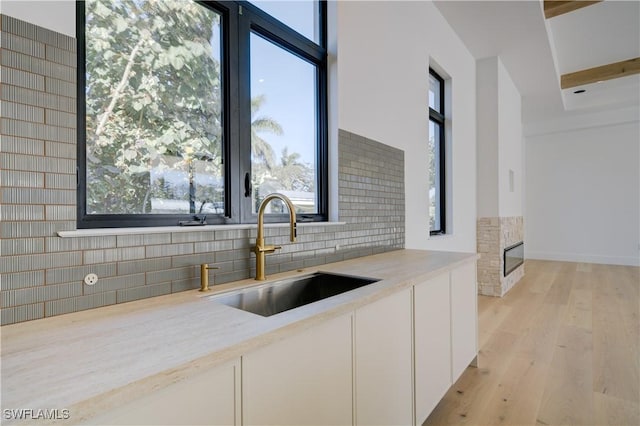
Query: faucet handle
x,y
265,249
204,276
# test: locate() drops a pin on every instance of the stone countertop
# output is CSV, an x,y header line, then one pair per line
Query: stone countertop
x,y
90,361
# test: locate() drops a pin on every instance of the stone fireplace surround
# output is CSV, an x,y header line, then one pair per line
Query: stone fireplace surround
x,y
494,234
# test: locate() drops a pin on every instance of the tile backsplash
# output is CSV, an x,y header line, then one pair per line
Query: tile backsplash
x,y
41,274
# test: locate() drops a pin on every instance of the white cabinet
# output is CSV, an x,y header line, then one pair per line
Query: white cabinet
x,y
387,363
209,398
432,343
464,318
305,379
383,361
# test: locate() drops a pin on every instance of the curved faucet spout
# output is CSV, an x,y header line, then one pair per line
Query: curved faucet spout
x,y
292,214
260,249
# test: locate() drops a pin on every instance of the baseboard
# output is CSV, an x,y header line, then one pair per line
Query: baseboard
x,y
584,258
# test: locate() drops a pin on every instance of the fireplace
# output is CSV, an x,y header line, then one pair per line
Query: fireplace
x,y
494,234
513,257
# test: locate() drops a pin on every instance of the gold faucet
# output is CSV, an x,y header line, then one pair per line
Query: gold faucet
x,y
260,249
204,277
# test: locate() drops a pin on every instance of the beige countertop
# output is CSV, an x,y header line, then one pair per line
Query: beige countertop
x,y
90,361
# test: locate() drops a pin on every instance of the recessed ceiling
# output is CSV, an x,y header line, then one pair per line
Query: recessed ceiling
x,y
595,35
619,92
538,51
592,38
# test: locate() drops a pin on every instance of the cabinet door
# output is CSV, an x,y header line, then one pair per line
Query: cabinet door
x,y
383,369
464,318
206,399
432,343
305,379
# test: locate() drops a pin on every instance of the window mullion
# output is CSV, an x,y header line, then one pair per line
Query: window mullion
x,y
244,116
436,116
233,105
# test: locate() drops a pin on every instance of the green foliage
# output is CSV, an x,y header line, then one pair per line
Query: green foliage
x,y
293,174
152,97
432,176
154,107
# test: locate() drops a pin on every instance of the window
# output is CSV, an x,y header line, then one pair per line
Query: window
x,y
285,85
436,154
199,109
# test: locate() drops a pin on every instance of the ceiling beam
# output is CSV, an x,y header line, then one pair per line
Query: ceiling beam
x,y
558,7
601,73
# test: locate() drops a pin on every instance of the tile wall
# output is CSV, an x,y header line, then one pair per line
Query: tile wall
x,y
41,274
494,234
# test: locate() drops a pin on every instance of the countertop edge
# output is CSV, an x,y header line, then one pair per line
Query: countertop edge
x,y
86,409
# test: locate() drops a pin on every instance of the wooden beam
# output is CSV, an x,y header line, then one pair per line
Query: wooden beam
x,y
601,73
558,7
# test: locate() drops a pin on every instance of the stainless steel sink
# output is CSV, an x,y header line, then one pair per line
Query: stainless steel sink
x,y
279,296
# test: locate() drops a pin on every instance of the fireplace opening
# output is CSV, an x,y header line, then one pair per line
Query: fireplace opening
x,y
513,257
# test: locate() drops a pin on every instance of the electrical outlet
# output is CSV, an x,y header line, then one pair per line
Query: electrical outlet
x,y
90,279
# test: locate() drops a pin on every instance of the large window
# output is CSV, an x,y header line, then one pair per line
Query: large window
x,y
191,109
436,154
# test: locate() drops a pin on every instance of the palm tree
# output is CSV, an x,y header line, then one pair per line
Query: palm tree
x,y
261,150
292,173
262,157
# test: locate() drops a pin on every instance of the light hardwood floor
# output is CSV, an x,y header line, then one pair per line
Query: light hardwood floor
x,y
561,348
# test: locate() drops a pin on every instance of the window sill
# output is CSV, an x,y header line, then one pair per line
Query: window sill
x,y
440,236
101,232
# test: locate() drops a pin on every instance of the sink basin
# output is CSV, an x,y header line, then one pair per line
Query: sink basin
x,y
279,296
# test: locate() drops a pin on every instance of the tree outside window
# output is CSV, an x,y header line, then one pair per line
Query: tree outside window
x,y
155,115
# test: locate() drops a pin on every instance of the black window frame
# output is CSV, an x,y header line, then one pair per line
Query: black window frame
x,y
438,117
240,18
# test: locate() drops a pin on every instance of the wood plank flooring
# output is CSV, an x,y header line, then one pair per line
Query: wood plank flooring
x,y
561,348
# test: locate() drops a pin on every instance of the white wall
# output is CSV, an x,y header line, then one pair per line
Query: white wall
x,y
583,193
500,141
384,51
511,140
487,129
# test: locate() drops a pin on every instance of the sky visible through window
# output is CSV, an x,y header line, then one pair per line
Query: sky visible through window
x,y
280,82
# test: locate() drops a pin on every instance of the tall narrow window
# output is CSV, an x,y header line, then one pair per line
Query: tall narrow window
x,y
284,92
283,133
436,154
